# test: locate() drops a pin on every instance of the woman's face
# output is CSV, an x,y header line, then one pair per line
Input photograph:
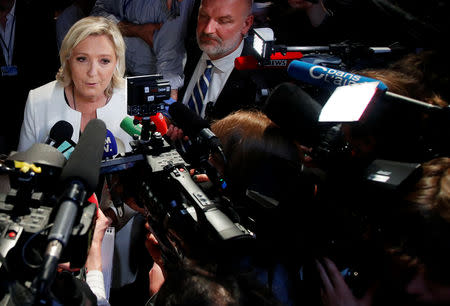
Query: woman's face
x,y
92,64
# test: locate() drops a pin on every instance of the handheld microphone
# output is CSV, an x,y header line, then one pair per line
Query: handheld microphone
x,y
194,126
80,178
160,123
332,78
61,131
109,151
326,77
296,112
110,147
132,129
60,137
277,60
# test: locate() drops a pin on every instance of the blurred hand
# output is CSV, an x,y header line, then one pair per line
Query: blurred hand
x,y
334,291
175,133
94,258
152,246
156,278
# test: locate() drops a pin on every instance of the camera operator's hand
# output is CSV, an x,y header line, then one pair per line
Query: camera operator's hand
x,y
156,274
335,291
94,259
175,133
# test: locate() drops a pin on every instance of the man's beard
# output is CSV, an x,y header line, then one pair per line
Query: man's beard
x,y
219,48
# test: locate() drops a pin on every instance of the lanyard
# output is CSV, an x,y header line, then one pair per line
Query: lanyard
x,y
8,47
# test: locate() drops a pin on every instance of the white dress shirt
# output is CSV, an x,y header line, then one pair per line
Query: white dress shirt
x,y
220,73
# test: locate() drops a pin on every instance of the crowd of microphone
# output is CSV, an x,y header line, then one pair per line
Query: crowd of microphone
x,y
203,221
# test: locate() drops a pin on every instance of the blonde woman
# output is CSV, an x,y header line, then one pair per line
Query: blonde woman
x,y
88,85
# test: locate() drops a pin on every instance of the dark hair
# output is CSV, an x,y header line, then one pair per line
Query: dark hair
x,y
422,225
252,142
193,285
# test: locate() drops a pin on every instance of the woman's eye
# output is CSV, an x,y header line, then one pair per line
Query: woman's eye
x,y
81,59
105,61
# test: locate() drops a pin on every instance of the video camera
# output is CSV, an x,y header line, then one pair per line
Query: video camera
x,y
186,220
27,215
356,182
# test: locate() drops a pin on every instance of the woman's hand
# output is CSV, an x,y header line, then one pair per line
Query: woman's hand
x,y
94,259
335,291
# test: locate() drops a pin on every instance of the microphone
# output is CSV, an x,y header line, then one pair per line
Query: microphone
x,y
132,129
80,178
61,131
160,123
296,112
109,151
110,147
331,78
277,60
194,126
60,137
326,77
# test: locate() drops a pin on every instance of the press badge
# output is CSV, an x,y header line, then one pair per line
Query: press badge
x,y
9,70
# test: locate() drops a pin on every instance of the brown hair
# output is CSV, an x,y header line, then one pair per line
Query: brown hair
x,y
251,141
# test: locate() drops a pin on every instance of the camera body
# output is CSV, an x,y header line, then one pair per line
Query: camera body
x,y
146,94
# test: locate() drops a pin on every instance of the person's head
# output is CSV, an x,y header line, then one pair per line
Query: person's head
x,y
263,174
422,229
222,24
390,129
92,56
193,285
252,143
6,5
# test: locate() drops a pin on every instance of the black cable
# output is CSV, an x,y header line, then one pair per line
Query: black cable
x,y
26,245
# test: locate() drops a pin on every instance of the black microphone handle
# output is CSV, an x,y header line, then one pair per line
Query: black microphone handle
x,y
80,176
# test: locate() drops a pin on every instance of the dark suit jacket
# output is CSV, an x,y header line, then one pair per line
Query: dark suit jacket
x,y
36,57
240,91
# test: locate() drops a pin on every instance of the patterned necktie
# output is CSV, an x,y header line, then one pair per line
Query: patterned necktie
x,y
201,87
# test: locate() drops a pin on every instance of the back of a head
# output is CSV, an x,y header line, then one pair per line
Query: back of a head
x,y
420,223
195,286
252,144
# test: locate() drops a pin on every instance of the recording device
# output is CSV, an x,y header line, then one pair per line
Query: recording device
x,y
297,113
46,218
187,220
60,137
110,147
146,94
391,117
196,128
349,183
269,54
60,132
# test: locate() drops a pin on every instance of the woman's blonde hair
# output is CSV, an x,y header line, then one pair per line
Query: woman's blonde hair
x,y
83,28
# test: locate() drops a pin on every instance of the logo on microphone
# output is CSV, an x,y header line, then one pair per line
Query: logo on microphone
x,y
278,63
108,148
333,76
